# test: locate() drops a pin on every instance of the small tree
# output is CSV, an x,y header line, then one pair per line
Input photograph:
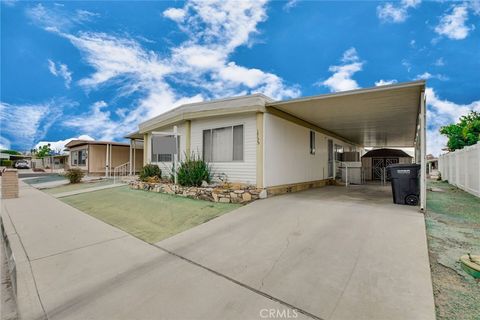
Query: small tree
x,y
464,133
42,151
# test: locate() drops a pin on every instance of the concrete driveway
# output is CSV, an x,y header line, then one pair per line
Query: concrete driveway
x,y
329,253
333,252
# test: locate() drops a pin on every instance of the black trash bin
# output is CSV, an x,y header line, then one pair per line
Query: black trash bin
x,y
405,183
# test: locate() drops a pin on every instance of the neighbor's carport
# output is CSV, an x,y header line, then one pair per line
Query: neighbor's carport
x,y
387,116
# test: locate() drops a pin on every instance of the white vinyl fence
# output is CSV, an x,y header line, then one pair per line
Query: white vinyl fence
x,y
462,168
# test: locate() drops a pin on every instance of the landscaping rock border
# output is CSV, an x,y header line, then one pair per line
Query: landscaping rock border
x,y
213,193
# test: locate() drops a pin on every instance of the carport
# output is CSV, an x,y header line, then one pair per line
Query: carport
x,y
391,116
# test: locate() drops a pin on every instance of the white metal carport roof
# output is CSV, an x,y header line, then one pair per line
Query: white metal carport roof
x,y
383,116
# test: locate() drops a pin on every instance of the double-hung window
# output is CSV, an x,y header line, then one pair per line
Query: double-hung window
x,y
79,157
74,156
223,144
82,157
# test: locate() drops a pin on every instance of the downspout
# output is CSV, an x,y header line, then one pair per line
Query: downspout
x,y
110,160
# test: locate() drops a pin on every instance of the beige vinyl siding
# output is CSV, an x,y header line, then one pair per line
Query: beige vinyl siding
x,y
287,153
95,163
236,171
96,158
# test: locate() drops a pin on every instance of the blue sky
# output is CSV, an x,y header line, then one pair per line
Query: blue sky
x,y
97,69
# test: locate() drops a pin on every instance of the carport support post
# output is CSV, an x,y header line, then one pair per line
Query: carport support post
x,y
130,158
106,160
423,137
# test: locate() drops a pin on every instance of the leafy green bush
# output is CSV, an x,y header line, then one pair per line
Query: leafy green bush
x,y
74,175
192,171
150,170
6,163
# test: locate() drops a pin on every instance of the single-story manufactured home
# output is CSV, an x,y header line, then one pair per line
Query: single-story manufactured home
x,y
101,158
290,145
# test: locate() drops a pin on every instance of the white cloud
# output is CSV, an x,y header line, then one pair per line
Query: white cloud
x,y
428,75
175,14
474,5
202,63
60,70
407,65
453,25
341,79
396,13
97,122
25,124
441,113
59,146
9,3
55,18
290,4
4,143
382,82
439,62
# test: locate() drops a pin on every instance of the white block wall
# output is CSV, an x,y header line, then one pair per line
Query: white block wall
x,y
461,168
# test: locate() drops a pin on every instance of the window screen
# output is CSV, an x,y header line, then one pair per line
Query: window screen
x,y
157,155
237,143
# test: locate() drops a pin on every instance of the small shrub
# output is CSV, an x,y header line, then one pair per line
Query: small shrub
x,y
74,175
150,170
192,171
6,163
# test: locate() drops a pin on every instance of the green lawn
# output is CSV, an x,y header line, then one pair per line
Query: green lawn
x,y
77,186
149,216
453,229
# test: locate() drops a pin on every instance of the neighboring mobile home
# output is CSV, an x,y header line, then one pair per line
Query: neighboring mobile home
x,y
291,145
100,158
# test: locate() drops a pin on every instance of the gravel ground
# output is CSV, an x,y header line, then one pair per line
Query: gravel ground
x,y
453,229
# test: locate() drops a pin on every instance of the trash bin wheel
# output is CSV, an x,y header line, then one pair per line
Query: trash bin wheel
x,y
411,200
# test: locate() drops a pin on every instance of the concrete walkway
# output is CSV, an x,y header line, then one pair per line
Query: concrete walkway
x,y
72,266
79,191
